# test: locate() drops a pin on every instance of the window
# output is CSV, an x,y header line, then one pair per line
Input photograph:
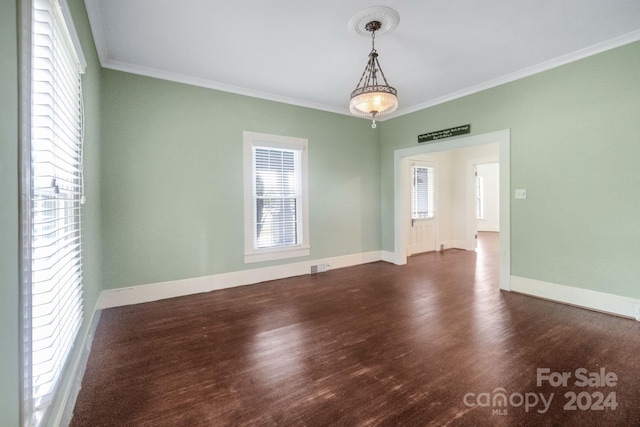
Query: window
x,y
276,206
479,197
51,214
422,193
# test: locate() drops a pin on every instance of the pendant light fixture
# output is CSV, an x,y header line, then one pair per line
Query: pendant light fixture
x,y
373,96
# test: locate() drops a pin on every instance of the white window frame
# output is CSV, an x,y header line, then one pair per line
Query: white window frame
x,y
35,407
263,140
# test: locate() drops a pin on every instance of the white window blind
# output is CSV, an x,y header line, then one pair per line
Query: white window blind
x,y
277,197
422,193
55,218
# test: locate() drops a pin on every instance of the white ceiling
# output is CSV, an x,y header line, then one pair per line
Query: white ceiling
x,y
303,53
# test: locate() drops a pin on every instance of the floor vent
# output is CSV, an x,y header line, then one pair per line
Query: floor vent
x,y
320,268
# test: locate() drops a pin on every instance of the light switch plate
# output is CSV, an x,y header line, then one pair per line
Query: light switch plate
x,y
521,193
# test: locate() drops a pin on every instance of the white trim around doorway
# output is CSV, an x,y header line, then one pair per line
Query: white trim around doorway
x,y
503,138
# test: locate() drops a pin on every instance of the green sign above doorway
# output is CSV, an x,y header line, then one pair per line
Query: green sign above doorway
x,y
444,133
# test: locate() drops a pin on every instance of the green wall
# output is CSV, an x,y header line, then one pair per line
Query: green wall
x,y
575,147
172,179
9,280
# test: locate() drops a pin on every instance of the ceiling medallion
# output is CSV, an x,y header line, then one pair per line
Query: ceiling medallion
x,y
373,96
387,17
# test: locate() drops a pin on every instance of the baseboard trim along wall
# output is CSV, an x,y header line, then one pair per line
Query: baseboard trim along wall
x,y
389,257
600,301
176,288
489,228
453,244
63,418
608,303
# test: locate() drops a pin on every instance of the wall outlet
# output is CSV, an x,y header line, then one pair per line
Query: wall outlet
x,y
521,193
637,312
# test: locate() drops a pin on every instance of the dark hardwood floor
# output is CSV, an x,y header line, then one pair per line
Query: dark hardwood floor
x,y
434,342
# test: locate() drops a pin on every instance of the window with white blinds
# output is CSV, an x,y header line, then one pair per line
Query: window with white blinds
x,y
275,197
55,303
422,192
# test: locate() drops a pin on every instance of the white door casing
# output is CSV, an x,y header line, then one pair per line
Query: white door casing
x,y
401,206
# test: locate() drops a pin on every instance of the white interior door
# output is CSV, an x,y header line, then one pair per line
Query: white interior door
x,y
422,231
422,236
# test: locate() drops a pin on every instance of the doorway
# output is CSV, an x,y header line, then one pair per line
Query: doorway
x,y
402,164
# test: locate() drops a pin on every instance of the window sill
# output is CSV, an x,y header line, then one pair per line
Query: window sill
x,y
275,254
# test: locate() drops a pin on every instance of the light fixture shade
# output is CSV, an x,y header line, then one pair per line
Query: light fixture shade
x,y
374,101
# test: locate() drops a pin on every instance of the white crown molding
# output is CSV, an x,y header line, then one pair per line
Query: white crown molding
x,y
95,21
628,38
210,84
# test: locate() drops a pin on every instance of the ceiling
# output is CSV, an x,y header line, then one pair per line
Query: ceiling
x,y
303,52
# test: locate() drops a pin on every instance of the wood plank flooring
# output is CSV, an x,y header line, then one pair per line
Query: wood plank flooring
x,y
429,343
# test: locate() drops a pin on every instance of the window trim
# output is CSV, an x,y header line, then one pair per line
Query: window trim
x,y
29,414
256,139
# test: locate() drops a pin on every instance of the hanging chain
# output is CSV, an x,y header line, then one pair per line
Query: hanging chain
x,y
373,41
369,76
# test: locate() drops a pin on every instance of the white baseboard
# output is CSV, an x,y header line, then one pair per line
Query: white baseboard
x,y
491,228
79,364
176,288
391,257
454,244
600,301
